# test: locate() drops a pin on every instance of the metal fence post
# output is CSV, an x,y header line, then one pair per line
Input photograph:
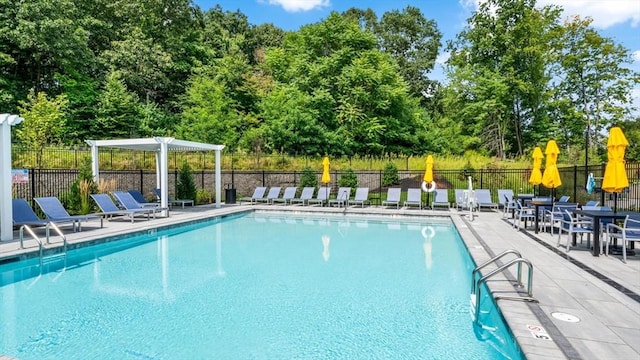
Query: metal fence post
x,y
575,183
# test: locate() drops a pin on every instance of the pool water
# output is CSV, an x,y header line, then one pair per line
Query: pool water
x,y
257,286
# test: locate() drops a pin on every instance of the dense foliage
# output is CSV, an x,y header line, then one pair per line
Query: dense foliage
x,y
350,85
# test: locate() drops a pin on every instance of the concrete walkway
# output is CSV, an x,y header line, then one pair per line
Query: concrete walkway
x,y
596,299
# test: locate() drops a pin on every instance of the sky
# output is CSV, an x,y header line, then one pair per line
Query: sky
x,y
616,19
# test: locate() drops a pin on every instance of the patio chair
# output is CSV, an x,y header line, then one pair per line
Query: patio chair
x,y
274,193
289,194
628,232
258,193
362,197
441,199
564,198
305,195
414,198
554,216
344,193
54,210
393,197
483,197
505,199
523,213
127,201
137,195
171,201
509,205
110,209
592,203
572,226
321,197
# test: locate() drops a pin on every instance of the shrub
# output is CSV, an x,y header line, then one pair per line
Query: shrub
x,y
78,200
186,186
308,178
349,179
203,196
390,175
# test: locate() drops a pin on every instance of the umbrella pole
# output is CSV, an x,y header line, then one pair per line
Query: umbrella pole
x,y
615,202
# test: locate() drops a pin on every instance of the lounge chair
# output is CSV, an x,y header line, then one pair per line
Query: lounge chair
x,y
393,197
362,197
321,196
441,199
460,199
137,195
483,197
23,215
171,201
414,198
110,209
288,195
274,193
344,193
128,202
258,193
54,210
306,195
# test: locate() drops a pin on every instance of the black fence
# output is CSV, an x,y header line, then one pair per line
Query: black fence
x,y
56,182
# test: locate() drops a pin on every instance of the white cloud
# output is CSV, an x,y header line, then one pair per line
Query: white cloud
x,y
603,13
443,57
635,56
300,5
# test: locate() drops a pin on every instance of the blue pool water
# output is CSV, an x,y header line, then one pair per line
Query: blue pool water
x,y
257,286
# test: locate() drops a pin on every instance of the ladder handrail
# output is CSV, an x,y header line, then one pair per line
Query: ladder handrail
x,y
33,234
500,269
491,261
64,238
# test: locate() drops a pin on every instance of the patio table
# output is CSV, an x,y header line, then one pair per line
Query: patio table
x,y
598,215
537,204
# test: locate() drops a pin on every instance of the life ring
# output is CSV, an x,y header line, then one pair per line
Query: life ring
x,y
432,232
428,189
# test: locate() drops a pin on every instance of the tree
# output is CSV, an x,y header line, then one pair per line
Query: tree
x,y
44,120
118,111
413,41
186,186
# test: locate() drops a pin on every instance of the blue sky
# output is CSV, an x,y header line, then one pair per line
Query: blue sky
x,y
617,19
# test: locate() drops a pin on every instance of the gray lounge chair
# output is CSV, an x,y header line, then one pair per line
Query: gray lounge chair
x,y
258,193
441,199
288,195
414,198
128,202
306,195
274,193
361,198
344,193
483,197
321,197
393,197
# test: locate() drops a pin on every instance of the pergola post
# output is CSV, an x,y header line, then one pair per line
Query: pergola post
x,y
6,210
218,180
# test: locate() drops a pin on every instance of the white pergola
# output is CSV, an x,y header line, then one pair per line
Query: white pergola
x,y
161,146
6,211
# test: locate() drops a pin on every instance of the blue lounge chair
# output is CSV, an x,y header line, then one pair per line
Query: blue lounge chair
x,y
110,209
128,202
393,197
344,193
137,195
55,211
171,201
441,198
483,197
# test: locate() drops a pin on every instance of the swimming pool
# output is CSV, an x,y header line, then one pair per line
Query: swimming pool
x,y
256,286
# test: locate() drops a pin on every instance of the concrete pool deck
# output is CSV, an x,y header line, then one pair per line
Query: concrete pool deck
x,y
601,292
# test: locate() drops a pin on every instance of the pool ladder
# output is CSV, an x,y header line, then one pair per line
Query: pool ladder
x,y
41,245
476,285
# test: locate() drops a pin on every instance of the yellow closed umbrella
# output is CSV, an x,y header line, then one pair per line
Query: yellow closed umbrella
x,y
326,177
615,175
551,175
428,172
536,174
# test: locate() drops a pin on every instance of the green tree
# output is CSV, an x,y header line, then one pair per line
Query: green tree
x,y
348,179
44,120
78,201
390,175
308,178
118,112
186,186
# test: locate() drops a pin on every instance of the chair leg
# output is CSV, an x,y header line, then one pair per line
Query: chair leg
x,y
624,252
